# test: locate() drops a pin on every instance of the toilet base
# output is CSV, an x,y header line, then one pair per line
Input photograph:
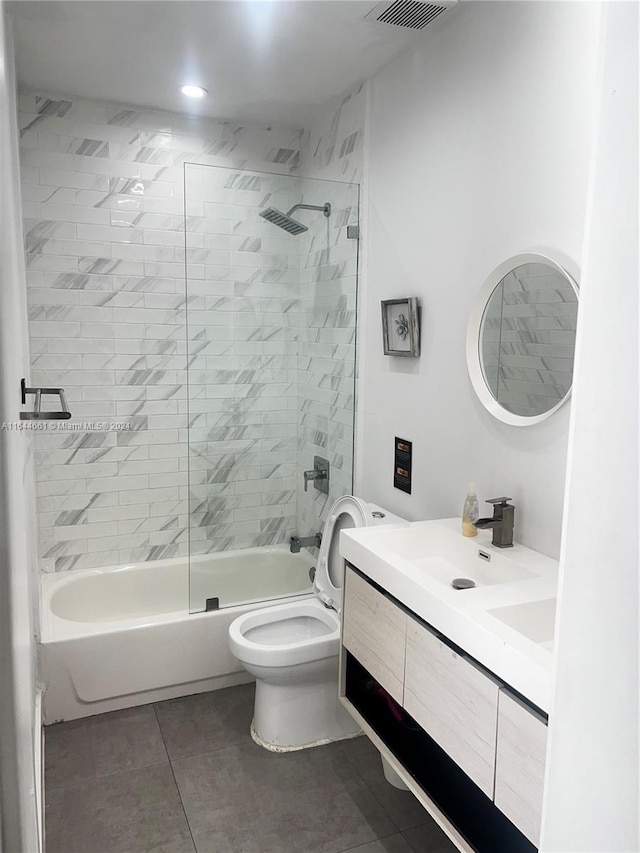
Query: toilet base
x,y
272,748
296,716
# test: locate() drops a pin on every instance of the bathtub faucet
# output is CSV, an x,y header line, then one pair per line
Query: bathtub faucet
x,y
318,475
297,542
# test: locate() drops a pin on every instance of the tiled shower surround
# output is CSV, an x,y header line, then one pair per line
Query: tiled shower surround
x,y
332,149
267,361
103,202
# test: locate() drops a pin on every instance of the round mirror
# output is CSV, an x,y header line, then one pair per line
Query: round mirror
x,y
521,339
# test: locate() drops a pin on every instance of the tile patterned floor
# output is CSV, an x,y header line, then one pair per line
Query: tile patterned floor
x,y
184,776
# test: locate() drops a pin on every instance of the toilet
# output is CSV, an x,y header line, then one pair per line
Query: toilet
x,y
292,649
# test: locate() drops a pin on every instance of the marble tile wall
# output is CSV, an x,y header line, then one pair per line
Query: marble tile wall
x,y
103,204
243,339
332,150
326,362
333,144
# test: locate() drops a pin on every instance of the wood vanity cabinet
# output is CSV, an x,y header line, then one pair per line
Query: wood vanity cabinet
x,y
375,633
496,739
453,701
520,759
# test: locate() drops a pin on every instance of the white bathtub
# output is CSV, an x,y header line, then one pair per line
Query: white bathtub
x,y
123,636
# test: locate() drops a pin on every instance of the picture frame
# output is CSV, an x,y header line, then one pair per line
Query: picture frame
x,y
401,327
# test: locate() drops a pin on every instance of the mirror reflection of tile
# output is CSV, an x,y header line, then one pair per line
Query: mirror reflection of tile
x,y
528,340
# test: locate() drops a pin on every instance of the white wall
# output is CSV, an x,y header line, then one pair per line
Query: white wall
x,y
592,796
478,150
19,726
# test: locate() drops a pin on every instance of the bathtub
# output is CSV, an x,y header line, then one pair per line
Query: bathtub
x,y
123,636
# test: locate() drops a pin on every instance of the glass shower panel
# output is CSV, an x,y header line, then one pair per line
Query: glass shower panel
x,y
271,345
327,348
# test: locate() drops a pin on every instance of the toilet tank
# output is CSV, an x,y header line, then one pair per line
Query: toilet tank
x,y
388,517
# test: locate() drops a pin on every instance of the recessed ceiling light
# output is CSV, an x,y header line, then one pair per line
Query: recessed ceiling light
x,y
193,91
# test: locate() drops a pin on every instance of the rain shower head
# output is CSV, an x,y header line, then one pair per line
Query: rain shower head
x,y
283,220
287,222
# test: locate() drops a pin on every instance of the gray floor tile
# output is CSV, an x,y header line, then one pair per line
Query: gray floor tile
x,y
86,749
135,812
245,799
392,844
206,721
429,838
401,806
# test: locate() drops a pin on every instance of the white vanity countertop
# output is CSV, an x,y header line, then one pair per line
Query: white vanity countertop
x,y
515,643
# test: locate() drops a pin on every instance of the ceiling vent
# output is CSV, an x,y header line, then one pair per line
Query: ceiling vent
x,y
410,14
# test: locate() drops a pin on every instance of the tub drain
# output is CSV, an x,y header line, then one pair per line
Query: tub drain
x,y
463,583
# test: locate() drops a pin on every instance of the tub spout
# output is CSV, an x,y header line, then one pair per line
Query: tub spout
x,y
298,542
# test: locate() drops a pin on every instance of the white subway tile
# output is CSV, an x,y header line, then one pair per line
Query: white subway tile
x,y
71,179
117,484
112,330
71,212
106,232
164,238
150,496
47,296
107,132
46,159
84,531
80,346
54,329
112,168
131,252
112,393
118,513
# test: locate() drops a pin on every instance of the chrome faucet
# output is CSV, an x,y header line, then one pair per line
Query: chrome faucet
x,y
501,523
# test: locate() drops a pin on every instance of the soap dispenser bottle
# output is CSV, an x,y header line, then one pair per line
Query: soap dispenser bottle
x,y
471,512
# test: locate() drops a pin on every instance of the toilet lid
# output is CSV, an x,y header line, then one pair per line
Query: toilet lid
x,y
345,514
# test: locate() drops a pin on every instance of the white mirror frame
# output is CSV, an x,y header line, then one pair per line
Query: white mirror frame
x,y
474,336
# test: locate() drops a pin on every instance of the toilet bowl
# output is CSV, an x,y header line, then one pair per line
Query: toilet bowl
x,y
292,649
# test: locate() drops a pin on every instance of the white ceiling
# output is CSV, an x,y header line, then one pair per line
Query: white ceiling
x,y
267,61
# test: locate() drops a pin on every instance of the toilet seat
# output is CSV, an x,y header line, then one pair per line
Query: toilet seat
x,y
282,645
345,513
246,645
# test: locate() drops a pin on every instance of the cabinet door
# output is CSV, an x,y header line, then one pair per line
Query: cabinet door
x,y
520,759
454,702
374,631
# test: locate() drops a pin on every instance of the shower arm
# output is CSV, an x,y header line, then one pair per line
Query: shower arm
x,y
325,208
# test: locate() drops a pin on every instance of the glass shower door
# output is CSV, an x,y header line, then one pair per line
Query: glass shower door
x,y
327,350
270,336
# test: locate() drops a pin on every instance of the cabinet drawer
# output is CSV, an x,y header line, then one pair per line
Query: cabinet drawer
x,y
454,702
520,759
374,631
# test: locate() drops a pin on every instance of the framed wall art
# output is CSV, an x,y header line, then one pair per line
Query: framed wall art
x,y
400,327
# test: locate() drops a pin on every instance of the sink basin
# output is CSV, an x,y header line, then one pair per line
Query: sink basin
x,y
535,619
444,554
482,573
